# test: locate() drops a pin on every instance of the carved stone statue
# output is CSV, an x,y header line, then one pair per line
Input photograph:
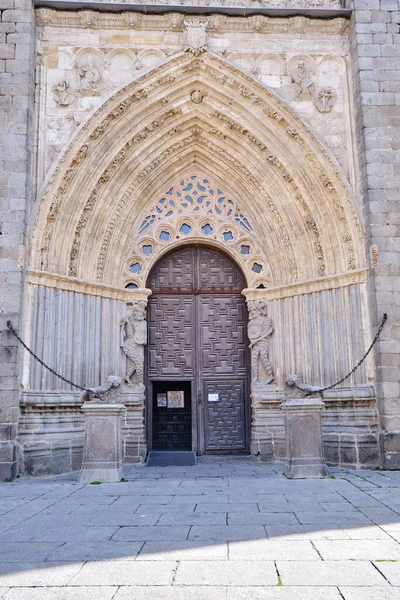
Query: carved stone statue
x,y
133,340
259,331
302,84
109,392
196,37
63,93
325,100
295,388
89,75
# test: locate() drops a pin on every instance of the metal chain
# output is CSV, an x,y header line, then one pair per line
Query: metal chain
x,y
79,387
360,362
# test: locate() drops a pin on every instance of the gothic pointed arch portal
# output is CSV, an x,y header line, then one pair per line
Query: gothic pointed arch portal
x,y
195,152
197,354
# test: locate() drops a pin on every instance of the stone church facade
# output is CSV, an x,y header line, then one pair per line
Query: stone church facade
x,y
200,200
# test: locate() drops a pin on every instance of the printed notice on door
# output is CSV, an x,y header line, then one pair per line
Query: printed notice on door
x,y
176,399
161,399
213,397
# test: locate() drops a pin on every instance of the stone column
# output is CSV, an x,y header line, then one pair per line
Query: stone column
x,y
102,458
133,342
304,449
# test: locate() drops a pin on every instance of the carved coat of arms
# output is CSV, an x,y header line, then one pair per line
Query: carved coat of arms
x,y
196,36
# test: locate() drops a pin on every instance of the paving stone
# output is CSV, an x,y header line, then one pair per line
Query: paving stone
x,y
63,534
194,519
122,518
125,572
220,507
262,519
63,593
329,573
37,574
158,533
282,593
366,593
367,533
215,533
272,550
358,549
15,552
183,551
162,509
89,551
171,593
226,573
307,532
390,570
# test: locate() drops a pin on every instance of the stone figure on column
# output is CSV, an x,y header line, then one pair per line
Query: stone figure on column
x,y
259,331
133,340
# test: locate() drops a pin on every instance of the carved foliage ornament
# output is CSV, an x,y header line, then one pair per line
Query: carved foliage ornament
x,y
196,36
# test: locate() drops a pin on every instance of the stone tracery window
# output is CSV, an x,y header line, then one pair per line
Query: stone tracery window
x,y
196,208
195,194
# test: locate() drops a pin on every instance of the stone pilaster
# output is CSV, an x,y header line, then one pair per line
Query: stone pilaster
x,y
375,41
17,44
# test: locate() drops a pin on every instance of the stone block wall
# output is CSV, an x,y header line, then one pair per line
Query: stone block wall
x,y
375,39
17,45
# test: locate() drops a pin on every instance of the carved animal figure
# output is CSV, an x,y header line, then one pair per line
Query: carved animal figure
x,y
133,340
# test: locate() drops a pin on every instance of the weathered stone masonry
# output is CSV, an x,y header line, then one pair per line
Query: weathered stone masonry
x,y
17,67
340,112
375,40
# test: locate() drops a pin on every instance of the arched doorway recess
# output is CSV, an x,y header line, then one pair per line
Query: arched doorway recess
x,y
197,346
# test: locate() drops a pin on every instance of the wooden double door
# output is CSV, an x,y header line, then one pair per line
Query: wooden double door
x,y
197,354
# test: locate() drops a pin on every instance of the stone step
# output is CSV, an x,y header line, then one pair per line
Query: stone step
x,y
171,458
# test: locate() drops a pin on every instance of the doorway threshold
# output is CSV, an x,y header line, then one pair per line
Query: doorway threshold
x,y
171,458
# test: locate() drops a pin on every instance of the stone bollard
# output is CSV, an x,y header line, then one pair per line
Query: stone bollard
x,y
102,453
303,431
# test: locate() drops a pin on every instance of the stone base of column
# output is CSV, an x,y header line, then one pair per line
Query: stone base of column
x,y
8,453
303,432
389,442
102,454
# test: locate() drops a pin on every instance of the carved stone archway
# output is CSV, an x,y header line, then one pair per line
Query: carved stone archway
x,y
96,233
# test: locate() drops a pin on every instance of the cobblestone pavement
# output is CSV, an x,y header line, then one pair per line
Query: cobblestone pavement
x,y
227,529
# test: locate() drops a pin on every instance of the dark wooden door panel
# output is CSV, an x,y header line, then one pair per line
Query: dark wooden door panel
x,y
225,418
174,273
217,272
172,426
171,338
223,337
198,331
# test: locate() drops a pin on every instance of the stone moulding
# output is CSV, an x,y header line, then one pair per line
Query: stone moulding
x,y
308,287
48,17
71,284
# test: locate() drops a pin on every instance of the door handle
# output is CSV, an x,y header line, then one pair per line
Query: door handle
x,y
199,398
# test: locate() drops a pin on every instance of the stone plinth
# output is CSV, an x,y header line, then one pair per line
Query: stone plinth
x,y
102,455
304,450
